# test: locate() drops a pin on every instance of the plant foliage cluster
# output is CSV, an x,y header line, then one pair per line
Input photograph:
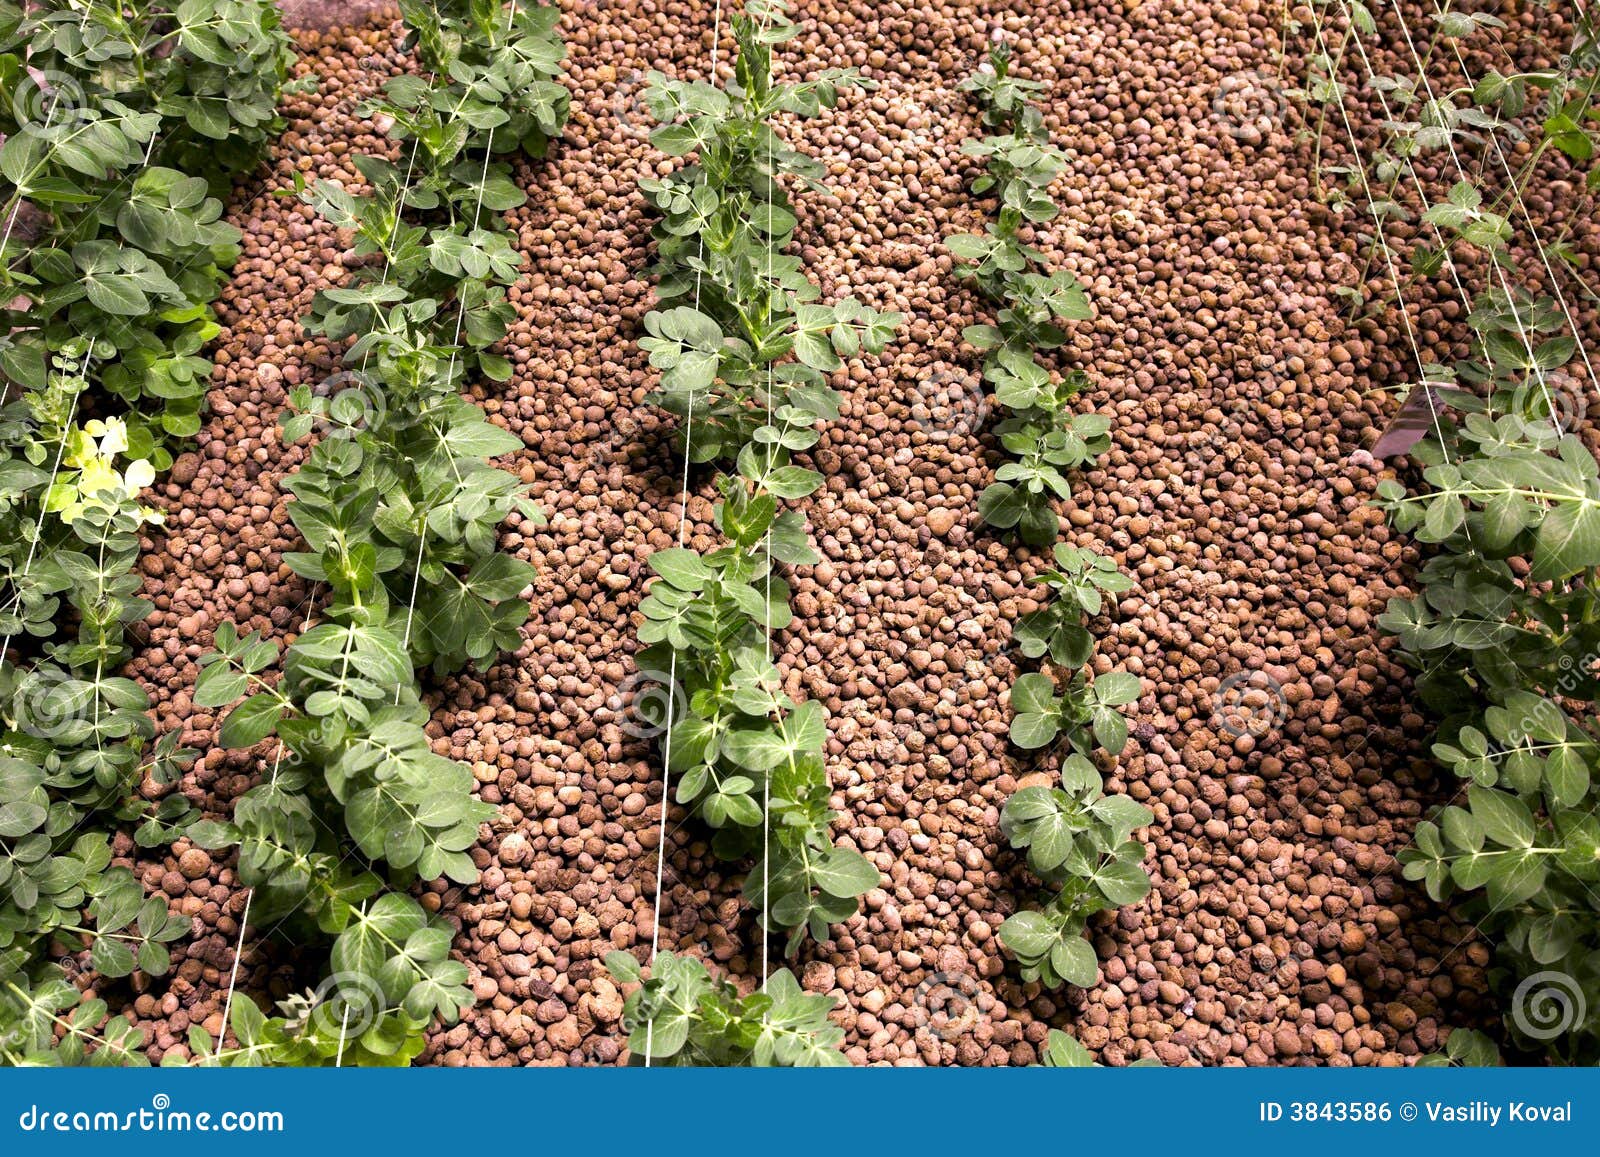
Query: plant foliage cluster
x,y
1503,630
399,508
1041,432
682,1015
745,349
123,124
1078,840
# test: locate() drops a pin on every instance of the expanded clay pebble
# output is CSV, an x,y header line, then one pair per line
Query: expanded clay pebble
x,y
1236,494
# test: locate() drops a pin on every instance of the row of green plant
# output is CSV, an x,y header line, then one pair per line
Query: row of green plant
x,y
745,349
399,508
123,126
1041,431
1503,630
1078,840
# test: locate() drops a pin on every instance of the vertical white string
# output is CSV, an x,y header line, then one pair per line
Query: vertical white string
x,y
766,779
672,663
1383,244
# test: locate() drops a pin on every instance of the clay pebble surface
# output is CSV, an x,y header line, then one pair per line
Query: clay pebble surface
x,y
1236,494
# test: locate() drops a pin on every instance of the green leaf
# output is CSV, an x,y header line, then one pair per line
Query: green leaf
x,y
681,568
1033,693
1074,961
1032,731
1506,820
845,872
1568,541
1116,688
251,721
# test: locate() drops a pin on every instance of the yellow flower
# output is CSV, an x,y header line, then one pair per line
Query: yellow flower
x,y
112,434
98,475
81,449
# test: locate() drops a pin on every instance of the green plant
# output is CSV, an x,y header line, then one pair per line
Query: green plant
x,y
1075,837
123,125
1503,628
743,740
1042,433
1079,842
682,1015
725,221
503,62
1079,584
137,97
744,349
400,510
392,978
1463,1049
1085,712
1063,1052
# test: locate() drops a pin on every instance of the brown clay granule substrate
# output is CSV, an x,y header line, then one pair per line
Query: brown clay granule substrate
x,y
1236,494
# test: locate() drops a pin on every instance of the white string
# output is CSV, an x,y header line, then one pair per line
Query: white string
x,y
672,664
1388,114
455,348
233,976
766,779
